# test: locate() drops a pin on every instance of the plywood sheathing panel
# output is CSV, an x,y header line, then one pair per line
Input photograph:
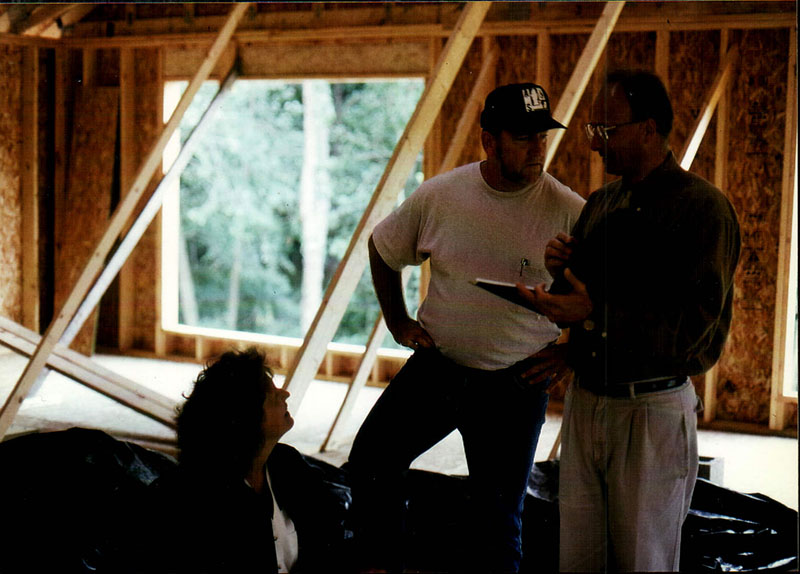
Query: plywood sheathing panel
x,y
571,162
88,201
149,123
454,105
517,60
107,67
10,159
693,66
755,162
390,58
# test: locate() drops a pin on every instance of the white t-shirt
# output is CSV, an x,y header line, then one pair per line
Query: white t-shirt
x,y
469,230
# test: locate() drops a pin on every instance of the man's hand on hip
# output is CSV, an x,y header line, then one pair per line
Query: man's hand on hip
x,y
550,366
411,334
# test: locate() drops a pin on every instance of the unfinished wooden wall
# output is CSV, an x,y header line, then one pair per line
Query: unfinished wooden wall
x,y
145,260
753,140
454,105
755,164
46,183
88,199
10,208
693,64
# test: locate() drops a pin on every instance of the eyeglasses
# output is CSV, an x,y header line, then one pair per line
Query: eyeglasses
x,y
602,130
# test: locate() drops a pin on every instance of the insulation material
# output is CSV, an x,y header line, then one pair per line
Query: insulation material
x,y
755,164
693,66
10,208
87,206
146,257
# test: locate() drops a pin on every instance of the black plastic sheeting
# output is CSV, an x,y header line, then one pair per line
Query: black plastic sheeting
x,y
66,496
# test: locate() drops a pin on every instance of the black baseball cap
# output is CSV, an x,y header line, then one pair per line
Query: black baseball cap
x,y
520,108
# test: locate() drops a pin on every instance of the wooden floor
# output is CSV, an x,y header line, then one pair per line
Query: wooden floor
x,y
751,463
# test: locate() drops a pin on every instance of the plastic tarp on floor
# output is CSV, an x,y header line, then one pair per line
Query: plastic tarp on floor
x,y
64,501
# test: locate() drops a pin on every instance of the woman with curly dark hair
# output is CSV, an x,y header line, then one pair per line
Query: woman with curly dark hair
x,y
233,418
242,501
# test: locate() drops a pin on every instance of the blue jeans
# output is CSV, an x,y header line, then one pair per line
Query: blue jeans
x,y
499,417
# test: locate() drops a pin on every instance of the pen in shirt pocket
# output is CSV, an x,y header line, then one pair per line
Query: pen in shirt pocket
x,y
523,263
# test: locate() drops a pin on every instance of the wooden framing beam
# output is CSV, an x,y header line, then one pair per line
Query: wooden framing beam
x,y
354,262
43,17
712,97
60,150
173,251
569,99
38,360
544,53
127,172
420,21
365,366
146,216
720,180
88,373
662,56
69,18
785,276
379,331
432,156
10,19
88,66
484,84
29,184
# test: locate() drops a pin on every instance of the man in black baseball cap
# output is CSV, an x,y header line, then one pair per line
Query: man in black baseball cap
x,y
515,121
473,351
518,108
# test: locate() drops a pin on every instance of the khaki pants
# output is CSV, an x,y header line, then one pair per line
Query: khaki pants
x,y
627,472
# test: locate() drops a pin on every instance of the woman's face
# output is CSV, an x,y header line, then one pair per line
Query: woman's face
x,y
277,420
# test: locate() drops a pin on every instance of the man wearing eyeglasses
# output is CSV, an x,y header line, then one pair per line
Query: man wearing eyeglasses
x,y
646,287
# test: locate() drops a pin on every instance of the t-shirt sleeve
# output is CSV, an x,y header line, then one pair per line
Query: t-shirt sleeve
x,y
575,205
397,236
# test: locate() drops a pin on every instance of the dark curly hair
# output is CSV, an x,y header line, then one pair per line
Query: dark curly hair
x,y
219,425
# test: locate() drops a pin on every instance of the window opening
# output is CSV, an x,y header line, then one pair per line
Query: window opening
x,y
268,204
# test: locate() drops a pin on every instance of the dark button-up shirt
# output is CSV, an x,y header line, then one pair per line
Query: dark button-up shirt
x,y
658,259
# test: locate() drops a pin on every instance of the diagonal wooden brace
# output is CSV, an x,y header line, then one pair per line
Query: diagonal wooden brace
x,y
86,372
118,220
568,101
347,275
